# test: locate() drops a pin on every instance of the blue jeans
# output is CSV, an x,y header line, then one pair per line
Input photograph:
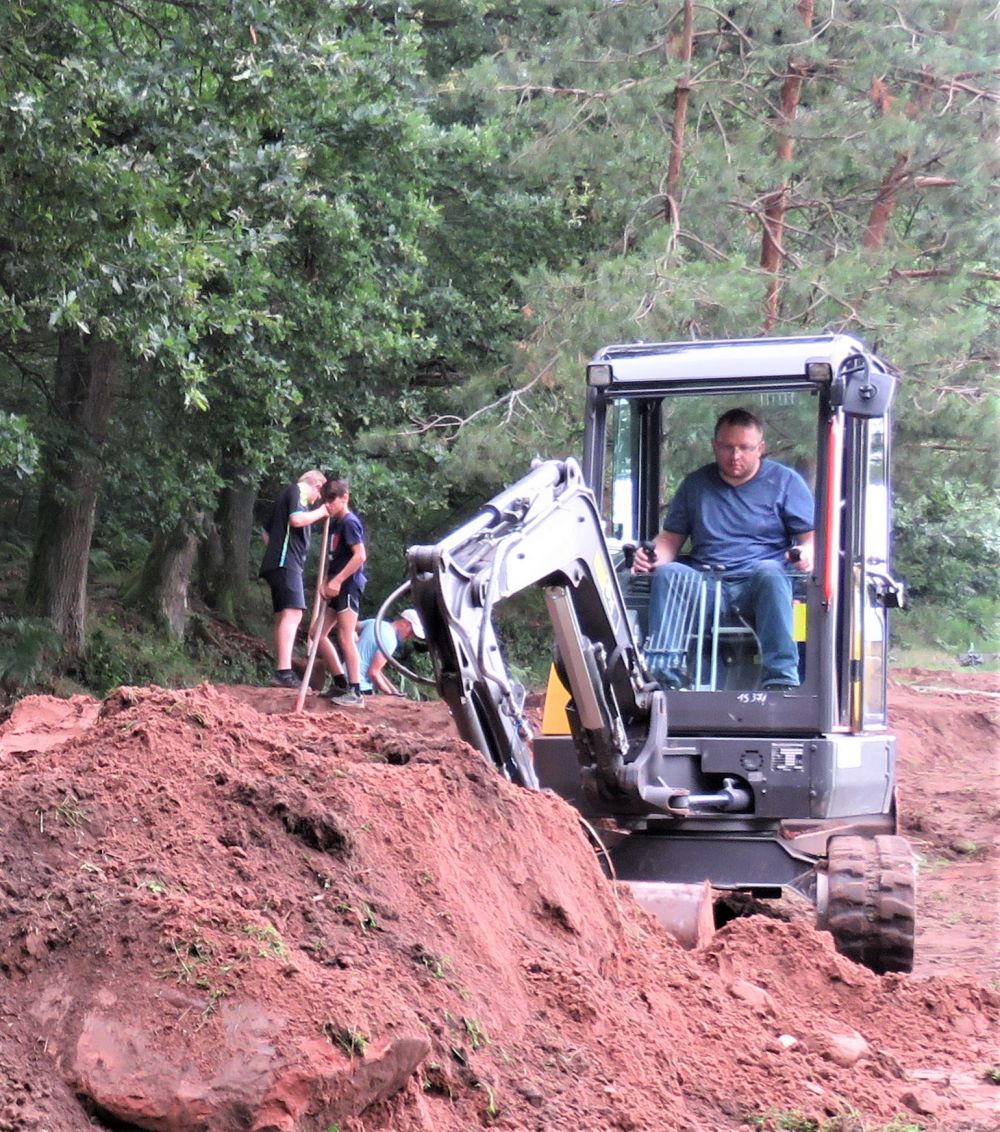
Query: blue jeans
x,y
763,597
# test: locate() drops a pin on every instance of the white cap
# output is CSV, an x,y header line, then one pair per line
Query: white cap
x,y
413,617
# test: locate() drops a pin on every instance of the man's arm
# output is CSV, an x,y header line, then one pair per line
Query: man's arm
x,y
798,511
378,677
307,518
806,546
666,548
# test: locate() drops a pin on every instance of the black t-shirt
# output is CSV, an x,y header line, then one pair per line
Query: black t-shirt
x,y
287,546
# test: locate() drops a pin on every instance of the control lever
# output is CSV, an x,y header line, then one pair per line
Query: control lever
x,y
629,549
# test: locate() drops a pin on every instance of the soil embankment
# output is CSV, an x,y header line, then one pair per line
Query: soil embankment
x,y
219,915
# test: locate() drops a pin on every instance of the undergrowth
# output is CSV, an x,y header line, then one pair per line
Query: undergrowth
x,y
123,648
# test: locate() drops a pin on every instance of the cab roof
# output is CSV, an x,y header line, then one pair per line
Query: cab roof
x,y
736,360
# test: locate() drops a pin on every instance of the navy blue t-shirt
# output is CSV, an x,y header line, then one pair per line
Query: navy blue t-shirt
x,y
738,526
345,533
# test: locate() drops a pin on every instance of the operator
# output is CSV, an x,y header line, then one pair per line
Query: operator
x,y
373,659
743,513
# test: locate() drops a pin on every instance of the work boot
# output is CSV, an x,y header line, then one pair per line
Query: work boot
x,y
348,698
671,679
284,678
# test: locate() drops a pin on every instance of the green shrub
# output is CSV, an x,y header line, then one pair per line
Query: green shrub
x,y
28,646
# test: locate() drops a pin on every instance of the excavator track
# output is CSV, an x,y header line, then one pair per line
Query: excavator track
x,y
871,895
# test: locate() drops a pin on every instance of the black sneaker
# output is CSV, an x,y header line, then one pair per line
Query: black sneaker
x,y
286,679
334,691
348,698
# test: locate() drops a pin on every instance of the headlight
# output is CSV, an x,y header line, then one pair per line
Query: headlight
x,y
598,375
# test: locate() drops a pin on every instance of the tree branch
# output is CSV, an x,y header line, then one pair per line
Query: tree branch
x,y
511,400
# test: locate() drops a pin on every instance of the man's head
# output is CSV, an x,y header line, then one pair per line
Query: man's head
x,y
408,624
738,445
337,496
314,481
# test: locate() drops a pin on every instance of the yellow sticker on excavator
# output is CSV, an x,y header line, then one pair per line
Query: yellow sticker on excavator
x,y
799,620
554,721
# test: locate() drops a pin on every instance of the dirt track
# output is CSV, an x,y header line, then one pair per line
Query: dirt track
x,y
217,915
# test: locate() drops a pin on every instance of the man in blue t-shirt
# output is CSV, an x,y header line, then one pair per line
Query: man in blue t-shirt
x,y
373,658
744,514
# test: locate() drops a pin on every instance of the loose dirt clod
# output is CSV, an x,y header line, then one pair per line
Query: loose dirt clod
x,y
218,915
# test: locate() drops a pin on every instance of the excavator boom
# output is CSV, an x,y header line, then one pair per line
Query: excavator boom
x,y
544,531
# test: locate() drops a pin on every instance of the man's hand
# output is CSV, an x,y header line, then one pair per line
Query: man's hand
x,y
649,555
643,560
803,556
332,587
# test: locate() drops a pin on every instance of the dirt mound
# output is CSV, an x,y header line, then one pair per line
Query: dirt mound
x,y
948,726
218,915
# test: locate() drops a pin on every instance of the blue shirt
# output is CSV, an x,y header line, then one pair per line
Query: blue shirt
x,y
345,533
739,526
368,649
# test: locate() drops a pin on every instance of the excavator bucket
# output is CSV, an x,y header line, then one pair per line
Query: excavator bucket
x,y
685,910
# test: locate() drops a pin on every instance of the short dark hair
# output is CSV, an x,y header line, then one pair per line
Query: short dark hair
x,y
738,418
334,489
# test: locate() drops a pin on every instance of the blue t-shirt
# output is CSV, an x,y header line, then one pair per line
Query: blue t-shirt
x,y
345,533
739,526
368,649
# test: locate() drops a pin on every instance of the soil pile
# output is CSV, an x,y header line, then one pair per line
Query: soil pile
x,y
218,915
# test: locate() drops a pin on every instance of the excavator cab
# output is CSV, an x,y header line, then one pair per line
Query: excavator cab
x,y
712,778
650,415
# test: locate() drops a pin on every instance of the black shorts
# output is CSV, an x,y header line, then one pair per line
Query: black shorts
x,y
287,589
348,598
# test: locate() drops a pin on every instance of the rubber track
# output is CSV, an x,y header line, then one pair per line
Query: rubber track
x,y
872,900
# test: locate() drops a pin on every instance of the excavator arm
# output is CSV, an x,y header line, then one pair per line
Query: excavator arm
x,y
544,531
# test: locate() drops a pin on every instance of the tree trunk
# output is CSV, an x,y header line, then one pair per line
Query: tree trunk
x,y
73,466
227,575
162,587
885,204
682,93
775,203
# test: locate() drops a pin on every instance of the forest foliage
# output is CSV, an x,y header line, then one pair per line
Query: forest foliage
x,y
241,240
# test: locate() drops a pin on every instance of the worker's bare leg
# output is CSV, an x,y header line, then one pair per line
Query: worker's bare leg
x,y
347,623
286,625
329,654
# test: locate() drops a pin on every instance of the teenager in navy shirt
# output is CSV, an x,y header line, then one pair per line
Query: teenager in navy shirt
x,y
345,583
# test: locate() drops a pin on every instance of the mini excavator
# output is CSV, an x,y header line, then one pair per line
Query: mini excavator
x,y
719,784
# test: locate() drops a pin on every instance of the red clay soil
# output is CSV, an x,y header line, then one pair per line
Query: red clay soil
x,y
218,915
